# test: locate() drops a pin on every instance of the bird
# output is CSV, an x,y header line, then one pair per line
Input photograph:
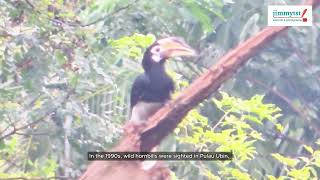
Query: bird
x,y
153,88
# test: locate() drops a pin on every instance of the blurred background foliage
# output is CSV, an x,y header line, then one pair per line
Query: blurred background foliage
x,y
66,67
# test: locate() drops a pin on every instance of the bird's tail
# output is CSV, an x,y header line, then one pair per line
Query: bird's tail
x,y
147,165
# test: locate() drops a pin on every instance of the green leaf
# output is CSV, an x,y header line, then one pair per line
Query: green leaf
x,y
9,105
73,78
60,57
270,177
201,15
2,144
308,148
279,127
240,175
132,46
287,161
210,175
38,104
256,135
316,156
303,173
313,171
253,119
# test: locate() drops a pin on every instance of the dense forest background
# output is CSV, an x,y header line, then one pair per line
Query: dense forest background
x,y
66,68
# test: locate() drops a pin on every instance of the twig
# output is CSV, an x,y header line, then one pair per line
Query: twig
x,y
23,178
302,58
300,112
30,4
11,164
76,24
110,14
33,134
220,120
279,135
16,129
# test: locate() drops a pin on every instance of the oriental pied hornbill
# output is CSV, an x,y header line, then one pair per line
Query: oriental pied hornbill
x,y
152,89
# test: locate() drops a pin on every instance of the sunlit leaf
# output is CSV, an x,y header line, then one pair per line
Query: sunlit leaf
x,y
285,160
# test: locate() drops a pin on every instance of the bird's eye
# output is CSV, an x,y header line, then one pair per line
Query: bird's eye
x,y
155,50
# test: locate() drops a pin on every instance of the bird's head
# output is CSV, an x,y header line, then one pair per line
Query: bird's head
x,y
166,48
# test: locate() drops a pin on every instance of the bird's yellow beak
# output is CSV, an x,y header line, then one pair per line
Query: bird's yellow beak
x,y
175,47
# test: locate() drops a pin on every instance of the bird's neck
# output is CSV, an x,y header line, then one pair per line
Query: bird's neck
x,y
156,70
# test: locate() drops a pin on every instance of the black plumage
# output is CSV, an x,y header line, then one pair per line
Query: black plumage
x,y
154,85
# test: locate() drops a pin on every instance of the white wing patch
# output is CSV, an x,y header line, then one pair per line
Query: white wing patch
x,y
143,110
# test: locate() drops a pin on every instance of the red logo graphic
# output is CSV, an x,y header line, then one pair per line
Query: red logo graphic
x,y
303,13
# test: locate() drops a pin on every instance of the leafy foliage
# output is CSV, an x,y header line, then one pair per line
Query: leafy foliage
x,y
132,45
300,167
236,132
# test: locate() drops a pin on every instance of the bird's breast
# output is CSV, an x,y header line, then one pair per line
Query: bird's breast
x,y
143,110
